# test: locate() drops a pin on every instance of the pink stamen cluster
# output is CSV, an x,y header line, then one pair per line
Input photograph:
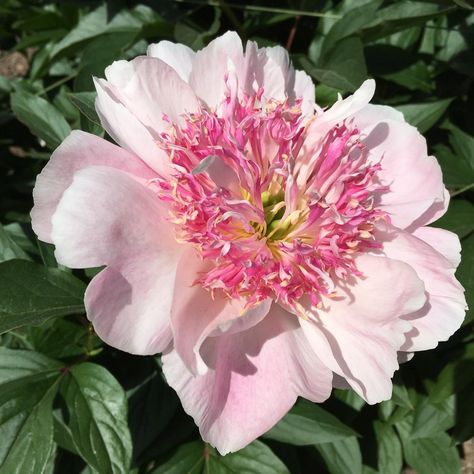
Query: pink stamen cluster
x,y
275,210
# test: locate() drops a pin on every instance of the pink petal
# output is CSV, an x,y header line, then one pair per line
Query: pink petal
x,y
253,380
150,88
445,242
304,89
196,314
79,150
127,130
414,178
372,114
129,304
278,75
437,209
211,64
358,336
444,311
106,217
344,108
178,56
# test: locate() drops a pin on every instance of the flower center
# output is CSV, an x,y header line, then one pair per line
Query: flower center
x,y
279,207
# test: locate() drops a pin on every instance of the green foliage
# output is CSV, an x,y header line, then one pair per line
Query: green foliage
x,y
68,403
308,424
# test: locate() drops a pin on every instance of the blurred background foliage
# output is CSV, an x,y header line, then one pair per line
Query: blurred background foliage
x,y
70,404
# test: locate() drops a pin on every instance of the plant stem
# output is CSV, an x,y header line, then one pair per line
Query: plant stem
x,y
258,8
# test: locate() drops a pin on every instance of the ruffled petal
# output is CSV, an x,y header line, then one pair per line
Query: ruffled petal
x,y
278,79
127,130
414,179
305,90
445,308
253,380
79,150
358,335
178,56
211,66
151,89
196,314
445,242
106,217
349,106
129,304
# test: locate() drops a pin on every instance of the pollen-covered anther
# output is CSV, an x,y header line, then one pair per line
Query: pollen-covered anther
x,y
275,212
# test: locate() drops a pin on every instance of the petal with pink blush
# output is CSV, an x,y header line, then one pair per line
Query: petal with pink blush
x,y
254,378
304,89
278,75
433,213
211,65
127,130
129,303
344,108
445,308
178,56
358,334
443,241
79,150
149,88
414,178
196,314
106,217
372,114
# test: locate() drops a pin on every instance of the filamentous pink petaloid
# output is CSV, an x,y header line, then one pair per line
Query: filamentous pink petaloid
x,y
269,248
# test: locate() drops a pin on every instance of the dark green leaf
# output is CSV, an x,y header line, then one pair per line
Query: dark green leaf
x,y
26,428
85,102
415,77
342,67
18,367
400,16
342,456
400,394
188,458
99,54
351,22
457,172
90,25
196,458
429,419
459,218
46,252
256,458
464,428
389,449
434,455
61,338
42,118
23,236
98,418
306,424
32,294
28,384
455,376
462,143
9,249
152,405
423,116
465,273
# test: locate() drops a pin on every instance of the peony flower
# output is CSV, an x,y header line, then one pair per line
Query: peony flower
x,y
269,248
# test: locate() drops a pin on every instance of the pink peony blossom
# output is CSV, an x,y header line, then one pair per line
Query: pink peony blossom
x,y
269,248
